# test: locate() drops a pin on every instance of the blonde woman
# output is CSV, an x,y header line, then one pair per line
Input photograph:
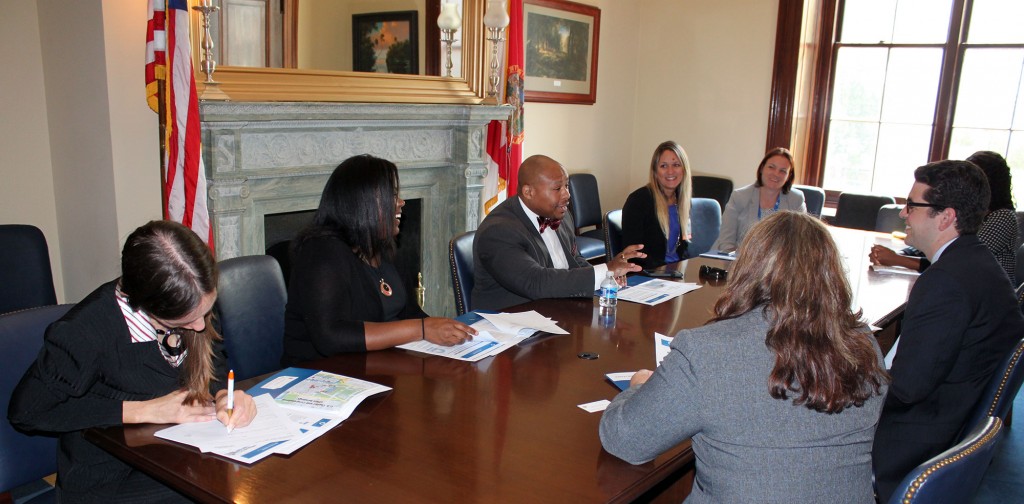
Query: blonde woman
x,y
657,215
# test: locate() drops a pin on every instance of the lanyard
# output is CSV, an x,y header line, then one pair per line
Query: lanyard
x,y
776,209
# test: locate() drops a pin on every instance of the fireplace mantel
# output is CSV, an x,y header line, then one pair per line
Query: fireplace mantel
x,y
275,157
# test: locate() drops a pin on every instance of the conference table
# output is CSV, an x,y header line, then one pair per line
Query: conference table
x,y
503,429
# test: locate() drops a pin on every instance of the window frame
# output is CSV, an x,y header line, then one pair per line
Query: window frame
x,y
820,49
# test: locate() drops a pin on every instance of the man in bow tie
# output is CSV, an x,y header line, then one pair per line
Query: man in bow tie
x,y
525,249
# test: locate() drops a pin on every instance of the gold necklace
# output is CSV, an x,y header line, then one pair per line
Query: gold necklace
x,y
385,288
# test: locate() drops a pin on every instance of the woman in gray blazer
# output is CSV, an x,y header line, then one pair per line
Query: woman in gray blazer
x,y
780,393
769,194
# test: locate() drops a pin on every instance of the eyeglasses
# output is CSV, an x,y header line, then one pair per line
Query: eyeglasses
x,y
913,204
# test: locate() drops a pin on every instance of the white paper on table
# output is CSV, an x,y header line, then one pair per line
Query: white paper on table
x,y
516,323
661,347
893,270
483,345
655,291
269,429
594,407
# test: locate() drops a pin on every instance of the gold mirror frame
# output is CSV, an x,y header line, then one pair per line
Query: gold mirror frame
x,y
289,84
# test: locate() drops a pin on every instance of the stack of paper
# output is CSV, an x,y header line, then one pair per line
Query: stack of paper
x,y
496,332
294,407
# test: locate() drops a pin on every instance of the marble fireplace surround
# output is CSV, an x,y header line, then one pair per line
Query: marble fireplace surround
x,y
268,158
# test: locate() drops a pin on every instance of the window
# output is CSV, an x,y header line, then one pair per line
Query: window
x,y
913,81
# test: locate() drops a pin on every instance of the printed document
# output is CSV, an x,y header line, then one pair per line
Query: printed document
x,y
656,291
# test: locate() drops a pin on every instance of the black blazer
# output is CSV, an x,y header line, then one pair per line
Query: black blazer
x,y
511,264
960,321
640,225
87,367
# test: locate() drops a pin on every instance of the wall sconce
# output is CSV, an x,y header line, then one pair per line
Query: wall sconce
x,y
495,19
448,22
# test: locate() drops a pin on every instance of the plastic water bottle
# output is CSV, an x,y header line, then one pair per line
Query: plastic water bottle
x,y
609,292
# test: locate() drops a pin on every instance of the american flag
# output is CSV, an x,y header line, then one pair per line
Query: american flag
x,y
169,59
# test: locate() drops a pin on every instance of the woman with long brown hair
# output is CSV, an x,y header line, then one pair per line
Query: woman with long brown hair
x,y
139,349
780,391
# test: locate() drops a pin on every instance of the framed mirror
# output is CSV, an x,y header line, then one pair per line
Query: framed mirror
x,y
280,69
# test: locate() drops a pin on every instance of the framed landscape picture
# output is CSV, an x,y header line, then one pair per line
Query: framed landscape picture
x,y
561,51
385,42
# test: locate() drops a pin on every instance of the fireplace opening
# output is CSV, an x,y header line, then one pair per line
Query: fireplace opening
x,y
280,228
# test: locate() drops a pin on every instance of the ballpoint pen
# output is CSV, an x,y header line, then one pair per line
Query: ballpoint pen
x,y
231,394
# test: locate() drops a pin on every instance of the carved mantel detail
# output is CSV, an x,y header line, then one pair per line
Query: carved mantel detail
x,y
267,158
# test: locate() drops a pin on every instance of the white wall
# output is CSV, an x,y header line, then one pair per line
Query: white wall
x,y
99,137
705,82
26,193
702,78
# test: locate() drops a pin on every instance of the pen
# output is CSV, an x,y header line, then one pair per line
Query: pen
x,y
231,394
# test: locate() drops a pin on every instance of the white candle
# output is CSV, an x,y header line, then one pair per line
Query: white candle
x,y
449,18
496,15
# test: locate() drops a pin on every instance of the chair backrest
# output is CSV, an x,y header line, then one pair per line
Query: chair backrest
x,y
814,198
26,280
860,211
955,474
613,233
251,297
281,251
1001,389
716,188
460,258
23,458
705,223
889,220
584,200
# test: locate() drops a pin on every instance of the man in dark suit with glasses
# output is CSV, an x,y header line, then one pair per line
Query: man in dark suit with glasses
x,y
961,319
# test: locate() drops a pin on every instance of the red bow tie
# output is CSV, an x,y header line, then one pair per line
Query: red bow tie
x,y
548,223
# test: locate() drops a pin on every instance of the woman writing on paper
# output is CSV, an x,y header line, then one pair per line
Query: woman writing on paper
x,y
658,214
344,294
784,371
999,231
770,193
139,349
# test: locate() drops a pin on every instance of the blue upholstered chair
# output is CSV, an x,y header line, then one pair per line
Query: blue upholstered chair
x,y
460,258
955,474
585,207
1000,391
250,307
613,233
26,280
889,220
24,459
716,188
860,211
705,223
814,198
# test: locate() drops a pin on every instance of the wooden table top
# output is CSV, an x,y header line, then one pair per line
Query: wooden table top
x,y
505,429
